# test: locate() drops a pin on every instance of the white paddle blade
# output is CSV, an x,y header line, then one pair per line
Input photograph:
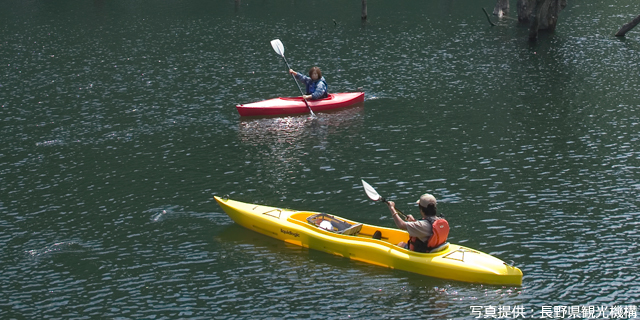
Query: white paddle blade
x,y
371,192
278,47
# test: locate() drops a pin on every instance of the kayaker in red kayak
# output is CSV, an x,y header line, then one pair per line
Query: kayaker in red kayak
x,y
420,231
315,82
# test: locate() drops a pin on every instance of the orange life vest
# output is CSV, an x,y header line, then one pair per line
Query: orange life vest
x,y
440,232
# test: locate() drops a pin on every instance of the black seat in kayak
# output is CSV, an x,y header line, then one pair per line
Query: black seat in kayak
x,y
339,226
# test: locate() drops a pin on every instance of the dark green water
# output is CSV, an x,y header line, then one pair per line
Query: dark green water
x,y
118,126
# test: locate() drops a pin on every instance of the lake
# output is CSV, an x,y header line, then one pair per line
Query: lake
x,y
119,126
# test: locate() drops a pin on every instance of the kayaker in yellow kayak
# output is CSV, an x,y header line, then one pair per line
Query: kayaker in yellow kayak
x,y
315,82
422,237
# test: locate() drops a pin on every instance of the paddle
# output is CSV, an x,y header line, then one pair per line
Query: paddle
x,y
373,195
278,47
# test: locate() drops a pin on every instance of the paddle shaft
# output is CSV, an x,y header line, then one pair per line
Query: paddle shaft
x,y
298,85
398,211
373,195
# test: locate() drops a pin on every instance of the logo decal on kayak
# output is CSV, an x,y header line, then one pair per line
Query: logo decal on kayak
x,y
295,234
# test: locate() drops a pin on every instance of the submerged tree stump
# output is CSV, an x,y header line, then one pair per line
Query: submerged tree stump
x,y
501,8
628,27
534,26
540,14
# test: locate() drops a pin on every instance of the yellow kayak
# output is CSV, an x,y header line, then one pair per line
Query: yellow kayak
x,y
361,242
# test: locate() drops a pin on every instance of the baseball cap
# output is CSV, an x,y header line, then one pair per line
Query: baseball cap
x,y
427,199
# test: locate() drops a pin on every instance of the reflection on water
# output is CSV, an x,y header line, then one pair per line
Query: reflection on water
x,y
294,129
285,150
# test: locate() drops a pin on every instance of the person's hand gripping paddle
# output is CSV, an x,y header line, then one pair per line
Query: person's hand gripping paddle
x,y
373,195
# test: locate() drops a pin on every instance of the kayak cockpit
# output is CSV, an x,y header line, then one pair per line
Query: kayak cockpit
x,y
331,223
337,225
327,222
328,98
342,226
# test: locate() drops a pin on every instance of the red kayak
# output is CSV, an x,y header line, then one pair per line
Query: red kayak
x,y
295,105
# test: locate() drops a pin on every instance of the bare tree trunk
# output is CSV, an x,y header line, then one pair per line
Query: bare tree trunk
x,y
524,7
628,27
548,15
535,19
501,8
364,10
539,14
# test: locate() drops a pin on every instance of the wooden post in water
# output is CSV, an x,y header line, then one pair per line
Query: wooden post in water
x,y
364,10
628,27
